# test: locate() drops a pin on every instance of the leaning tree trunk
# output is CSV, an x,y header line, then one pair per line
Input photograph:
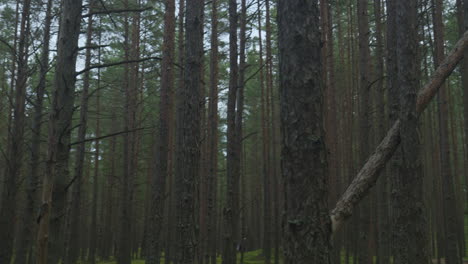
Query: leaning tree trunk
x,y
60,125
304,163
368,175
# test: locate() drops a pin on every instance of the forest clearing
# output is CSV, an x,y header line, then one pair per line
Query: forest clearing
x,y
233,131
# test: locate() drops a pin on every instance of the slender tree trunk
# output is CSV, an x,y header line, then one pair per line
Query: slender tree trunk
x,y
465,90
452,251
213,137
32,178
59,129
365,254
15,142
266,243
307,226
188,131
72,249
231,211
158,189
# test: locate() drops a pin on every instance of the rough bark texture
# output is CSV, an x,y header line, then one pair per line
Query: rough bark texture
x,y
364,254
15,142
213,138
410,219
160,172
304,163
369,173
56,174
188,131
465,89
231,211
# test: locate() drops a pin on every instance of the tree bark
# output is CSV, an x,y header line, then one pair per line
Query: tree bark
x,y
452,251
231,211
307,225
213,138
410,219
56,173
188,131
160,173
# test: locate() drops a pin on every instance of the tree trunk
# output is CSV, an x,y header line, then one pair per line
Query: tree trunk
x,y
72,249
188,131
231,211
307,226
56,173
452,251
369,173
32,178
410,219
213,138
158,190
15,142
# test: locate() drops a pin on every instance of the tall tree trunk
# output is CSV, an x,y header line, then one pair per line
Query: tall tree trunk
x,y
72,249
266,243
364,254
93,230
304,163
452,251
188,131
410,220
56,173
160,174
15,142
231,211
465,89
131,83
213,137
32,178
383,253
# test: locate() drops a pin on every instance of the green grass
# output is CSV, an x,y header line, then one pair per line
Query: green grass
x,y
252,257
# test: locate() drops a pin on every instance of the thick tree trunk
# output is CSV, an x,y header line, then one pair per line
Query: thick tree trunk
x,y
465,90
304,164
56,174
188,131
369,173
410,219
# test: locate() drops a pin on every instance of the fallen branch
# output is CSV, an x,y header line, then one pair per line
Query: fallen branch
x,y
368,175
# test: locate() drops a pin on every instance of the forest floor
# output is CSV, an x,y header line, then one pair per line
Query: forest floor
x,y
252,257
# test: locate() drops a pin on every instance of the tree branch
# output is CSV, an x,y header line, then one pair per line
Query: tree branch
x,y
99,66
117,11
368,175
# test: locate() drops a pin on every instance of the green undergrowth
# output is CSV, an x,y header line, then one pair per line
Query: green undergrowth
x,y
252,257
